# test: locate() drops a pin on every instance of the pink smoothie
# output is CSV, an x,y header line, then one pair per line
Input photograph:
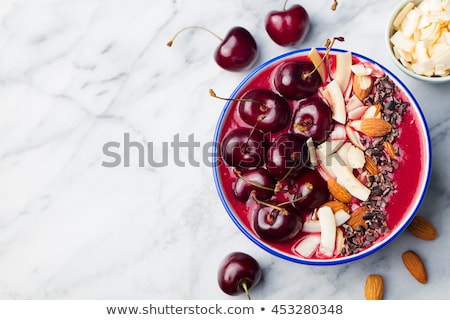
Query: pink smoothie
x,y
410,177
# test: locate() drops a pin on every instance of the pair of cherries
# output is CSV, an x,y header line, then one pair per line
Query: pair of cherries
x,y
238,51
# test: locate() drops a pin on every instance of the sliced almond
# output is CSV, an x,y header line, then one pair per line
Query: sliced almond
x,y
340,242
346,178
422,228
374,288
378,110
356,218
338,191
355,124
372,112
373,127
362,86
415,266
354,137
361,70
357,113
353,103
355,157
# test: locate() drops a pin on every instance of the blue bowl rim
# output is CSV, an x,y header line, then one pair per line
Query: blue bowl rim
x,y
334,261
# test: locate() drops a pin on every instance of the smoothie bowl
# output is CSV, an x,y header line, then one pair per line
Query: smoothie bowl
x,y
322,156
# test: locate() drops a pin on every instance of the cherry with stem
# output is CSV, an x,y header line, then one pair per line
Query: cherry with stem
x,y
238,51
238,272
263,108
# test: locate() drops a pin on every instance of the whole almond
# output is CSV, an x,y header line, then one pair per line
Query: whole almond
x,y
422,228
338,191
371,166
362,86
356,218
415,266
374,127
374,287
389,149
336,206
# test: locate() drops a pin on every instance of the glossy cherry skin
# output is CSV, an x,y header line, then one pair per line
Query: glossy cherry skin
x,y
292,81
236,269
311,188
264,109
288,27
244,148
286,155
257,181
238,50
312,117
277,225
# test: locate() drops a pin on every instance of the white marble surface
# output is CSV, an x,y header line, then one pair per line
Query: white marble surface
x,y
75,74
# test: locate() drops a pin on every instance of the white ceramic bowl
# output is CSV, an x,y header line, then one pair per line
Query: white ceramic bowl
x,y
390,32
406,204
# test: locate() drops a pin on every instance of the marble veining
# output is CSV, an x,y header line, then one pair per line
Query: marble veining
x,y
76,74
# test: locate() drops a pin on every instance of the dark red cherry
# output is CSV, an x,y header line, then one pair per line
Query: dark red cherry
x,y
288,27
286,155
238,273
264,109
311,190
238,50
297,80
277,224
312,117
257,181
244,148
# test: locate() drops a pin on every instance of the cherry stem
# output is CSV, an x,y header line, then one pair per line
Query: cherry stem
x,y
310,189
334,5
285,3
260,118
280,205
245,288
264,107
276,207
278,188
291,168
329,44
239,174
169,44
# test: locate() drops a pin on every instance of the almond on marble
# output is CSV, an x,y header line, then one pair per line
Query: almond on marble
x,y
374,288
422,228
415,266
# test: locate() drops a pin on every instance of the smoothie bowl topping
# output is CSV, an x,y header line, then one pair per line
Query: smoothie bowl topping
x,y
315,154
